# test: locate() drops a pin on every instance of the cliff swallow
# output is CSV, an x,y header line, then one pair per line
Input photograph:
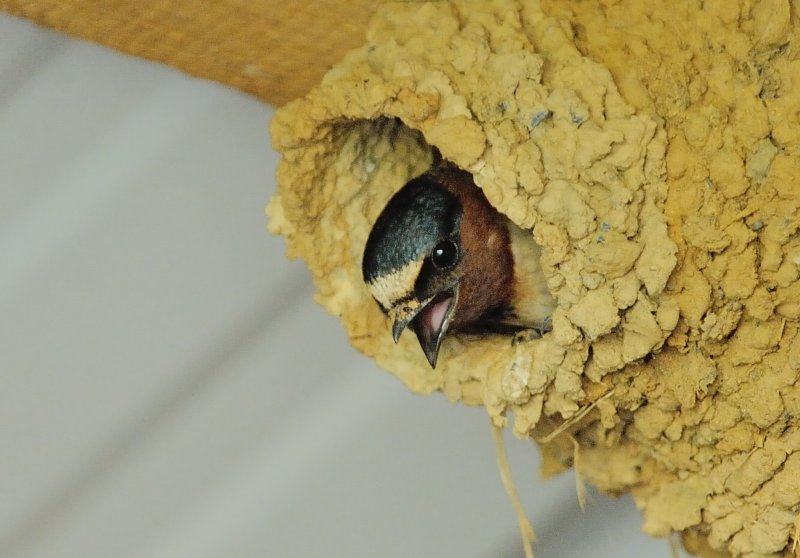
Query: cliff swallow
x,y
441,259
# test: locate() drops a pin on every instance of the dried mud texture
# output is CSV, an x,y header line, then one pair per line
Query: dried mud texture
x,y
651,149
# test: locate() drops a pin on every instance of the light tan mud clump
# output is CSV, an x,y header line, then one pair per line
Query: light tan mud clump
x,y
653,155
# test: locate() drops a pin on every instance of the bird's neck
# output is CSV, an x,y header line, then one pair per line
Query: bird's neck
x,y
487,275
532,301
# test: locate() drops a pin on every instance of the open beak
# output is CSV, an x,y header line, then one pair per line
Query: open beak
x,y
429,321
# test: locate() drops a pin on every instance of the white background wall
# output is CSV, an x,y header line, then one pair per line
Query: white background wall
x,y
167,386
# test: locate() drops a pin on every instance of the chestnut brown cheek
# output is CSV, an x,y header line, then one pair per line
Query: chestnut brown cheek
x,y
486,285
487,282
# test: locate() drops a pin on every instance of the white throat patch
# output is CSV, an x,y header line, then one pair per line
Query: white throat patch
x,y
397,285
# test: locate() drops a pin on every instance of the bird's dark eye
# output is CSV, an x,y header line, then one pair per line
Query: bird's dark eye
x,y
445,254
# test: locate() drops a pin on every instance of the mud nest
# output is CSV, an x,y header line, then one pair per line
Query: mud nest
x,y
651,149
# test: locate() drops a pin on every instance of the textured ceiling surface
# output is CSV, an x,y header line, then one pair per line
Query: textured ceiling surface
x,y
168,386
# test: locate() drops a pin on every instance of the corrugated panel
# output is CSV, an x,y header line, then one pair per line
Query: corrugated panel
x,y
168,386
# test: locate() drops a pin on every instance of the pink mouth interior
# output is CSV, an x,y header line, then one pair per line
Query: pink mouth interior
x,y
434,314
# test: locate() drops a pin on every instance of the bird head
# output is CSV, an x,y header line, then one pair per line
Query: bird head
x,y
412,261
